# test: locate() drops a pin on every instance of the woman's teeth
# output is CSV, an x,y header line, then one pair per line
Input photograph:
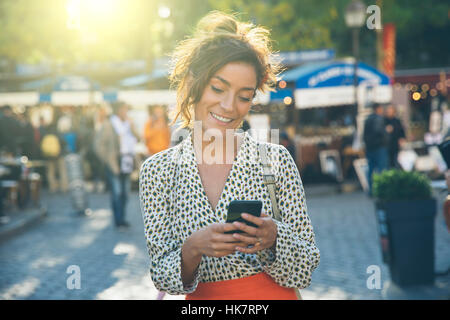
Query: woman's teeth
x,y
215,116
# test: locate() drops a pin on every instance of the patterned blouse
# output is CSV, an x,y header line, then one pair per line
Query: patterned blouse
x,y
174,205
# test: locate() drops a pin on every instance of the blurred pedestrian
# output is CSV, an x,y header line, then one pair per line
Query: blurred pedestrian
x,y
289,145
446,209
115,147
67,132
95,163
9,131
52,150
25,136
184,201
156,130
396,135
41,132
36,140
376,141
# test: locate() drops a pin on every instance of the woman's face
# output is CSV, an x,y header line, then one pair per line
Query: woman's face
x,y
227,97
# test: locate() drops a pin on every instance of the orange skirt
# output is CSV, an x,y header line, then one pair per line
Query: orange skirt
x,y
257,287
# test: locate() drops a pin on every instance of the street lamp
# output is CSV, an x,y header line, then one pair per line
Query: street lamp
x,y
355,16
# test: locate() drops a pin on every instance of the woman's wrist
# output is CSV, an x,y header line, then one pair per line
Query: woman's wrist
x,y
190,250
190,261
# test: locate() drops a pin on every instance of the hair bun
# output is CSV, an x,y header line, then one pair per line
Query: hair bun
x,y
218,22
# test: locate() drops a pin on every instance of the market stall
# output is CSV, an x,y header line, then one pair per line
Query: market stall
x,y
325,114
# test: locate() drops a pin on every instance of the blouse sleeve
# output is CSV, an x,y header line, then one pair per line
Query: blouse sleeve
x,y
296,254
164,247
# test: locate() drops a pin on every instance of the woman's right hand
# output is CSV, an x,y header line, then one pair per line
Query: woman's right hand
x,y
212,241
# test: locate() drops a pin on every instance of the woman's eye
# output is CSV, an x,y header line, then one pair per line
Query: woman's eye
x,y
245,99
216,89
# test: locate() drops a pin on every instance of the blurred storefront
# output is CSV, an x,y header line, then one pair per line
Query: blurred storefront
x,y
316,103
425,92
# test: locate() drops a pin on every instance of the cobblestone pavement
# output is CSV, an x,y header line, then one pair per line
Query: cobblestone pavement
x,y
37,264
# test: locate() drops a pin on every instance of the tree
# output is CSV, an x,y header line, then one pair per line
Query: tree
x,y
37,31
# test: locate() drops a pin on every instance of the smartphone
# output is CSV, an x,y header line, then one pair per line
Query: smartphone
x,y
237,207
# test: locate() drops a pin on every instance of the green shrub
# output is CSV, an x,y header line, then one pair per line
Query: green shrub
x,y
391,185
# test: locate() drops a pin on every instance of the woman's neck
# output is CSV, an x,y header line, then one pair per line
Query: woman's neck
x,y
216,150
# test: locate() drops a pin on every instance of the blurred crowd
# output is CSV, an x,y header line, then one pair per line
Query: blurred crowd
x,y
50,136
103,137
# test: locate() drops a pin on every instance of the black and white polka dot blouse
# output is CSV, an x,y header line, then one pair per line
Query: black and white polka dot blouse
x,y
174,205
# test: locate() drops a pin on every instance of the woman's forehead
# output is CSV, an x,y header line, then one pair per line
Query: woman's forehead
x,y
237,74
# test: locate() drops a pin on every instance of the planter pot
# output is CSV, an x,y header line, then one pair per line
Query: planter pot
x,y
406,231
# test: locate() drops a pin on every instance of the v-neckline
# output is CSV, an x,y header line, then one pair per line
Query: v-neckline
x,y
199,178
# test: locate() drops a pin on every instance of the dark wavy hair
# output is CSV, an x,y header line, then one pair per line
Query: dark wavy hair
x,y
219,39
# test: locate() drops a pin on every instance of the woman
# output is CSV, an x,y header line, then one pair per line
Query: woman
x,y
156,130
185,190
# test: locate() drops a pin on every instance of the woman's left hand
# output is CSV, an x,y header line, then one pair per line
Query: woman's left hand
x,y
262,237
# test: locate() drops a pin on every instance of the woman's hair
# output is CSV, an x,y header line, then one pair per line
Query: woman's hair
x,y
219,39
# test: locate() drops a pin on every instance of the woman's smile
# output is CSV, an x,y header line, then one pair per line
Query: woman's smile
x,y
220,119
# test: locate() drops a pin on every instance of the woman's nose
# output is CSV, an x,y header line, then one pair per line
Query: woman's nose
x,y
227,102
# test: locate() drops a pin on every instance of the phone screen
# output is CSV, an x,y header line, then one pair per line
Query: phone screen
x,y
237,207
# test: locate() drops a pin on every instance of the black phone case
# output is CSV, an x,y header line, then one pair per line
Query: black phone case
x,y
237,207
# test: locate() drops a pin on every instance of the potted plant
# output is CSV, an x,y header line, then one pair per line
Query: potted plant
x,y
405,211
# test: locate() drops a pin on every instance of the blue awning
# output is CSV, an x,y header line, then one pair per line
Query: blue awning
x,y
331,83
280,94
333,74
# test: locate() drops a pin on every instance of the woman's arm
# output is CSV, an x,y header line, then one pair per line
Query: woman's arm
x,y
174,261
190,260
296,254
164,247
210,241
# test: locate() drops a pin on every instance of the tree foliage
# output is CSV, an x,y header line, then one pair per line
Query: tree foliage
x,y
36,31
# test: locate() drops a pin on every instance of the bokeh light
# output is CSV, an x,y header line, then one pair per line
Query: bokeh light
x,y
287,100
164,12
416,96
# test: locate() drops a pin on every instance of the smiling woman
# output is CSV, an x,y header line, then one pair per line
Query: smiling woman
x,y
184,201
219,40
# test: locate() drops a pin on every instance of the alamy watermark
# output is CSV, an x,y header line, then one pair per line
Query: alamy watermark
x,y
374,280
74,280
220,143
374,20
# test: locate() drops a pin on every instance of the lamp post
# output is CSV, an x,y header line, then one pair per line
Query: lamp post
x,y
355,16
